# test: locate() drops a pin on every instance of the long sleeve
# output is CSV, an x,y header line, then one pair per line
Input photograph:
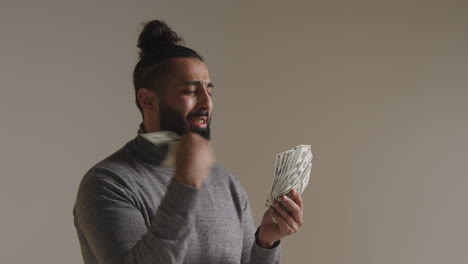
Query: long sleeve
x,y
252,252
108,218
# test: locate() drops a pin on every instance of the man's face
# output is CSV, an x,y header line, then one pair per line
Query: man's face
x,y
185,104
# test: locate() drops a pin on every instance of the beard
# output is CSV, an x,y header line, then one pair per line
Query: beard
x,y
171,119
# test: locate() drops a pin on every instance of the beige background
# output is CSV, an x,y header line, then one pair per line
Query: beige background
x,y
378,88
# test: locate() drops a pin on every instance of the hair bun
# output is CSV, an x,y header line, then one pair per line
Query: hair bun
x,y
155,35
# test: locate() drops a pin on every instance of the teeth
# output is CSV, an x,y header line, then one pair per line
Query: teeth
x,y
200,121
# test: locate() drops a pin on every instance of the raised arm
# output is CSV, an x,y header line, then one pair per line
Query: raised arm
x,y
109,218
115,230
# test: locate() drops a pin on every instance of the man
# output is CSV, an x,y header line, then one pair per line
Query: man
x,y
131,209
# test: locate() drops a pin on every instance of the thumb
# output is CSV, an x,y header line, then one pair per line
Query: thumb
x,y
267,217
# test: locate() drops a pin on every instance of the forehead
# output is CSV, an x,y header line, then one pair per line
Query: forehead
x,y
185,69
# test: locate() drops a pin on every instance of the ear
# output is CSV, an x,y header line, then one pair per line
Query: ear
x,y
148,100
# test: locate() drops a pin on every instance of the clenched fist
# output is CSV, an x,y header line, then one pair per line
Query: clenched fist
x,y
194,160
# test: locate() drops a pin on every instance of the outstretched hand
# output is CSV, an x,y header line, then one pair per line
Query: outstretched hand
x,y
287,221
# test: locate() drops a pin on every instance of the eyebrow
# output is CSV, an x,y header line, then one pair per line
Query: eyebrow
x,y
198,82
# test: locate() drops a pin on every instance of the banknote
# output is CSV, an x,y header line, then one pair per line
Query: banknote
x,y
292,171
165,137
160,137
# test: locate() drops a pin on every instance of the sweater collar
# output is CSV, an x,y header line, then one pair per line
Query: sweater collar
x,y
146,150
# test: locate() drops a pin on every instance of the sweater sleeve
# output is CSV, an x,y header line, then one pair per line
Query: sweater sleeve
x,y
252,252
108,218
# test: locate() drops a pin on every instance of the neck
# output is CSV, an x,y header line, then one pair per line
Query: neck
x,y
151,124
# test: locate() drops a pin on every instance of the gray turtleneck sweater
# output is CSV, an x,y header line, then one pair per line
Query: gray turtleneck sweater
x,y
130,210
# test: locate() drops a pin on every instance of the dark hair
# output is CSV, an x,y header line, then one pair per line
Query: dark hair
x,y
157,43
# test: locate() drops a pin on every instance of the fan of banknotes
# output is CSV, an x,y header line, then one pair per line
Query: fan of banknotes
x,y
292,171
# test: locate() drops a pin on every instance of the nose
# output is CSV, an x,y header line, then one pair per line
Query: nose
x,y
204,102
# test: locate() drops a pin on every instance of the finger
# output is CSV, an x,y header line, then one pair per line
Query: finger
x,y
284,227
285,215
297,198
295,210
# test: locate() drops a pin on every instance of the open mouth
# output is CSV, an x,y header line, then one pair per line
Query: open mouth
x,y
198,121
